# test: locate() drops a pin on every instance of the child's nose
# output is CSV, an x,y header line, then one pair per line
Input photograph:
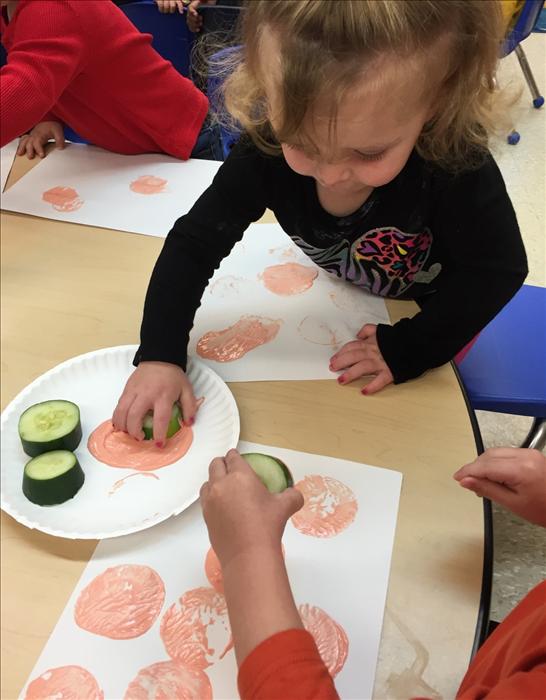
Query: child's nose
x,y
330,174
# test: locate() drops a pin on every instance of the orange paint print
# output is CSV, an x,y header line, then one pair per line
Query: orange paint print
x,y
195,631
234,342
121,482
63,198
118,449
329,506
166,680
329,636
66,683
148,184
213,571
316,331
121,603
289,278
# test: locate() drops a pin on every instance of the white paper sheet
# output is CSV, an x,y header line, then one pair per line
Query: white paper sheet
x,y
314,324
7,154
346,575
97,189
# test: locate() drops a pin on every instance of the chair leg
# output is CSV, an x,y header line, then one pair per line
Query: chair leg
x,y
538,99
536,438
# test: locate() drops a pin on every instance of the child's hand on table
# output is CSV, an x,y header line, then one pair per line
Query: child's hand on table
x,y
154,386
167,6
34,142
240,513
512,476
360,358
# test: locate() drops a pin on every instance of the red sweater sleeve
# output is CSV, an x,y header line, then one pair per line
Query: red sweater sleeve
x,y
287,665
45,51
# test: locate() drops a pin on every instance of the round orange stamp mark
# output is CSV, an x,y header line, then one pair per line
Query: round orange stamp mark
x,y
66,682
330,637
169,679
329,506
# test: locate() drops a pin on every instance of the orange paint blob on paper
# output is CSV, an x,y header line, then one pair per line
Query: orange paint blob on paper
x,y
329,506
329,636
289,278
167,680
195,631
234,342
148,184
121,603
65,683
118,449
63,198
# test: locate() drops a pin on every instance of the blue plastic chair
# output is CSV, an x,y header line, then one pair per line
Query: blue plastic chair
x,y
526,21
505,370
215,79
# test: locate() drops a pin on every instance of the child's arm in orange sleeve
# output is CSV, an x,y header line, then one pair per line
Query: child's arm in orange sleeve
x,y
46,53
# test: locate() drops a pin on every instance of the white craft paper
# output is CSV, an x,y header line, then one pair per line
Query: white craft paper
x,y
7,154
102,181
315,323
345,575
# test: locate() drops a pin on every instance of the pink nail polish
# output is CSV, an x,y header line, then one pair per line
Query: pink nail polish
x,y
341,379
188,423
159,444
364,391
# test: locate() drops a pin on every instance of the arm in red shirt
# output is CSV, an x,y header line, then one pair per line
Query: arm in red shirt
x,y
46,51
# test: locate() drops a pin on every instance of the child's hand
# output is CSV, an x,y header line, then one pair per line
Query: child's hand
x,y
240,513
512,476
360,358
193,18
33,143
169,6
154,386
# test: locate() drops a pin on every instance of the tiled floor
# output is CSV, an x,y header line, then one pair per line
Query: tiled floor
x,y
520,548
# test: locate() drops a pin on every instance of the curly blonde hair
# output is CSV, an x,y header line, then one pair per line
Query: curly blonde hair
x,y
324,44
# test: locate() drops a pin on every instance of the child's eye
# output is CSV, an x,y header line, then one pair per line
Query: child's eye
x,y
370,156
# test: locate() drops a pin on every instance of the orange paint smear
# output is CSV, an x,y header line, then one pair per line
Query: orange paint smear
x,y
190,627
66,683
63,198
167,680
234,342
329,506
118,449
121,603
329,636
213,571
317,332
148,184
121,482
289,278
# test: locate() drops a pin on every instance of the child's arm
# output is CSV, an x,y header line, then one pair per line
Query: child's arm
x,y
483,266
46,51
277,658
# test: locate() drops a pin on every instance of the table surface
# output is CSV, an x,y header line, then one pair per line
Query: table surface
x,y
68,289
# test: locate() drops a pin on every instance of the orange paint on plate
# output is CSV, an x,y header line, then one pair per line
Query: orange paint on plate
x,y
121,603
148,184
329,506
195,631
118,449
289,278
167,680
121,482
63,198
234,342
329,636
64,683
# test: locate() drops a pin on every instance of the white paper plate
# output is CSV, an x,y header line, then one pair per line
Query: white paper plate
x,y
94,382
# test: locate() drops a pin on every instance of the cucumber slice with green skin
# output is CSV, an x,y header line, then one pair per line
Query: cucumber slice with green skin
x,y
52,478
273,473
173,427
50,425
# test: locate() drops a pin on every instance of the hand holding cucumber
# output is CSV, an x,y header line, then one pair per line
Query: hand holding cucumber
x,y
240,513
154,386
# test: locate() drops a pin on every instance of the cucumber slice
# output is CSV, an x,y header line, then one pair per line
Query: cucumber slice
x,y
52,478
50,425
273,473
173,427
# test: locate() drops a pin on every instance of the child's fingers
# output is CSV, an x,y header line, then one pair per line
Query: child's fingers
x,y
349,358
360,369
188,403
29,149
493,468
162,415
348,347
489,489
291,500
135,415
383,379
119,418
217,469
204,492
367,331
21,148
39,148
236,463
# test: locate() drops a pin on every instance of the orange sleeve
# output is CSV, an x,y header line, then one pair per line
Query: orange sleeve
x,y
287,665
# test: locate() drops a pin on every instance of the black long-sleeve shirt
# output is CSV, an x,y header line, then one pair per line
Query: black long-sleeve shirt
x,y
451,242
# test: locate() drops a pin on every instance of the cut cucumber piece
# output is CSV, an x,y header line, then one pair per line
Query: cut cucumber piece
x,y
173,427
50,425
52,478
273,473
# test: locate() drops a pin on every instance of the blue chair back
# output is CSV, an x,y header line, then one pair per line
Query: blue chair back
x,y
215,80
171,37
525,23
505,370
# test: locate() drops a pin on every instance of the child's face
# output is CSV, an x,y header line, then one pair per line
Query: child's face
x,y
377,126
